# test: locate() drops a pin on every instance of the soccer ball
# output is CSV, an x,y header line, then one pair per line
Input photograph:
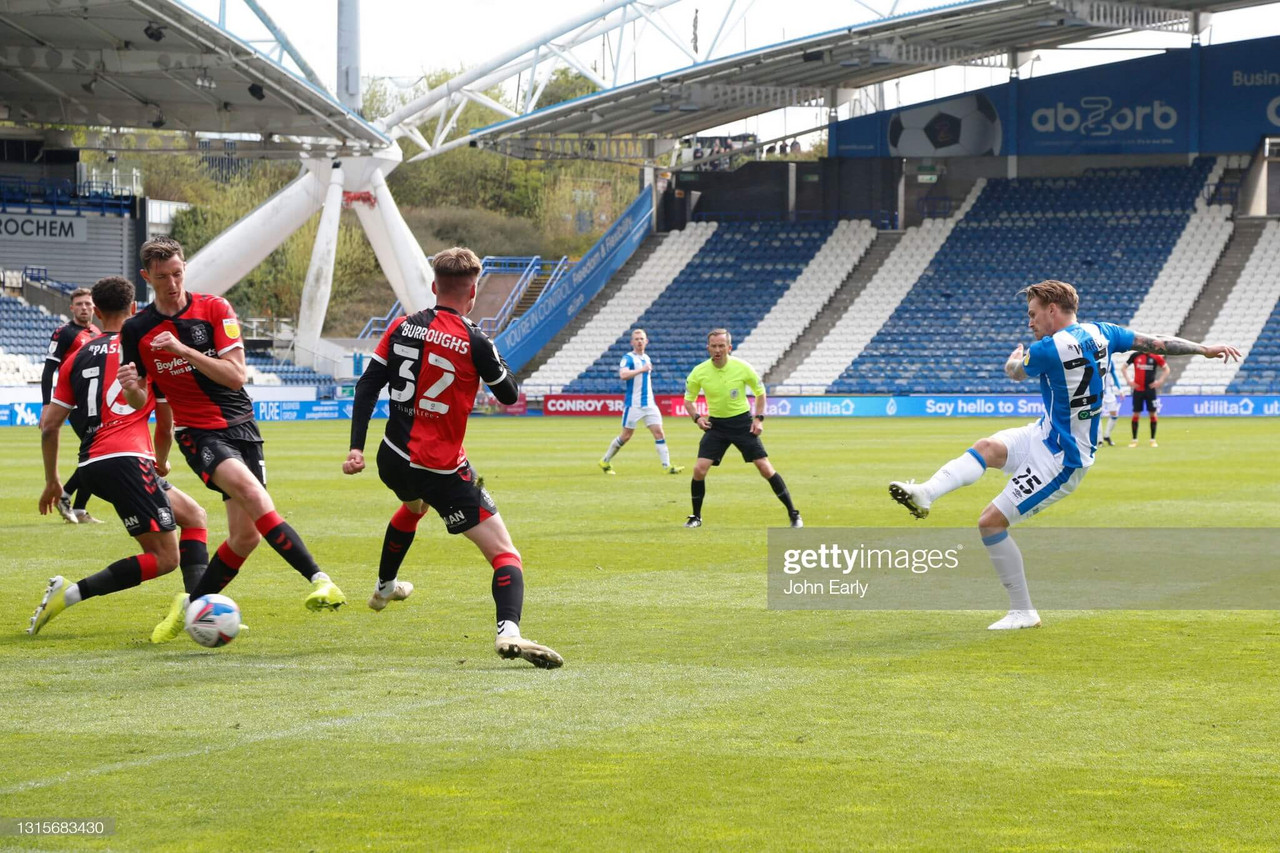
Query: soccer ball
x,y
968,126
213,620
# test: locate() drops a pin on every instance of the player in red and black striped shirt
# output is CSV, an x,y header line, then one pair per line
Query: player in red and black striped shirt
x,y
435,361
189,345
119,464
1144,381
63,344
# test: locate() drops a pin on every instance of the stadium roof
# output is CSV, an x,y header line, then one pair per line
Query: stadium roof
x,y
803,71
157,63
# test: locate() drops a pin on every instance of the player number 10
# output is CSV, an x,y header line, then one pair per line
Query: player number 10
x,y
428,401
113,394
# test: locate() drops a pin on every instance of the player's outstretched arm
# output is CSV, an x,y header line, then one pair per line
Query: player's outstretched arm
x,y
51,420
371,383
47,380
506,391
1013,365
164,437
1168,345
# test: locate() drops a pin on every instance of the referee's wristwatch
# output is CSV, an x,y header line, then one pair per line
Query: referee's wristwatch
x,y
757,417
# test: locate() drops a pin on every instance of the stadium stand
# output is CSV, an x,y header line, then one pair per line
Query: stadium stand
x,y
738,276
814,287
25,330
878,301
616,318
277,371
1251,320
18,369
1110,232
24,340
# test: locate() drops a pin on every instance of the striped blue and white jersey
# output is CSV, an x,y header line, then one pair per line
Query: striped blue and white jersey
x,y
1072,366
1113,383
640,386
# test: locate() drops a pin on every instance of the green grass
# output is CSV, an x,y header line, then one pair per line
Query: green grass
x,y
687,714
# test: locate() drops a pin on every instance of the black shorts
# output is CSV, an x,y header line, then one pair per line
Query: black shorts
x,y
734,431
206,449
132,486
1147,398
459,498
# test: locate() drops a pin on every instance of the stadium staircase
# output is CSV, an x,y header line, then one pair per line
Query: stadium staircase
x,y
877,303
739,274
830,313
1226,273
1182,279
589,311
804,300
615,318
1250,319
531,293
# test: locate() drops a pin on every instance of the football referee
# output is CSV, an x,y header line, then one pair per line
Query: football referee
x,y
724,380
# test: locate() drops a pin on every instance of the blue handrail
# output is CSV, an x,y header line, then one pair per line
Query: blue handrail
x,y
56,194
494,324
377,325
557,276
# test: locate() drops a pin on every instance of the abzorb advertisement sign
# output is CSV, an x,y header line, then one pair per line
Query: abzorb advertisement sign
x,y
1241,82
1142,109
1143,106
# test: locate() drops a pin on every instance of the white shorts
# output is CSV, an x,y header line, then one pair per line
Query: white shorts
x,y
632,415
1037,478
1111,405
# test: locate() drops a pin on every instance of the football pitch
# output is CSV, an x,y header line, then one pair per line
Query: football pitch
x,y
687,715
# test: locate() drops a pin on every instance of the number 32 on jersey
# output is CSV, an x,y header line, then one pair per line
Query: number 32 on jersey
x,y
428,401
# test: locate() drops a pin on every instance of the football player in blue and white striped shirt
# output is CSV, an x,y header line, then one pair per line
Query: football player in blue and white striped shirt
x,y
636,372
1046,459
1113,391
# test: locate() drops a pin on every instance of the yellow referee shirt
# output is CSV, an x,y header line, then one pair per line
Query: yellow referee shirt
x,y
725,387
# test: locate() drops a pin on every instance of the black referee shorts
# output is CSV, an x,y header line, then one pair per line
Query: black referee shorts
x,y
735,431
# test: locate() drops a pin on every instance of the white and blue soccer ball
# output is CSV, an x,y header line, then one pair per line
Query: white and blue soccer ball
x,y
967,126
213,620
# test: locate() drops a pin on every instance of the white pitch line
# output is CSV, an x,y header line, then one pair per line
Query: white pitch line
x,y
247,740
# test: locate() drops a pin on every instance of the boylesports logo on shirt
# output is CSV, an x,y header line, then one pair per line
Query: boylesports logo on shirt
x,y
178,365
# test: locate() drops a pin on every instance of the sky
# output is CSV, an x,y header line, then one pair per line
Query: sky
x,y
403,40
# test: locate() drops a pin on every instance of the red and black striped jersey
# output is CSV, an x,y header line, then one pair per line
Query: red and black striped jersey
x,y
63,343
207,324
107,425
1145,367
435,361
68,338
